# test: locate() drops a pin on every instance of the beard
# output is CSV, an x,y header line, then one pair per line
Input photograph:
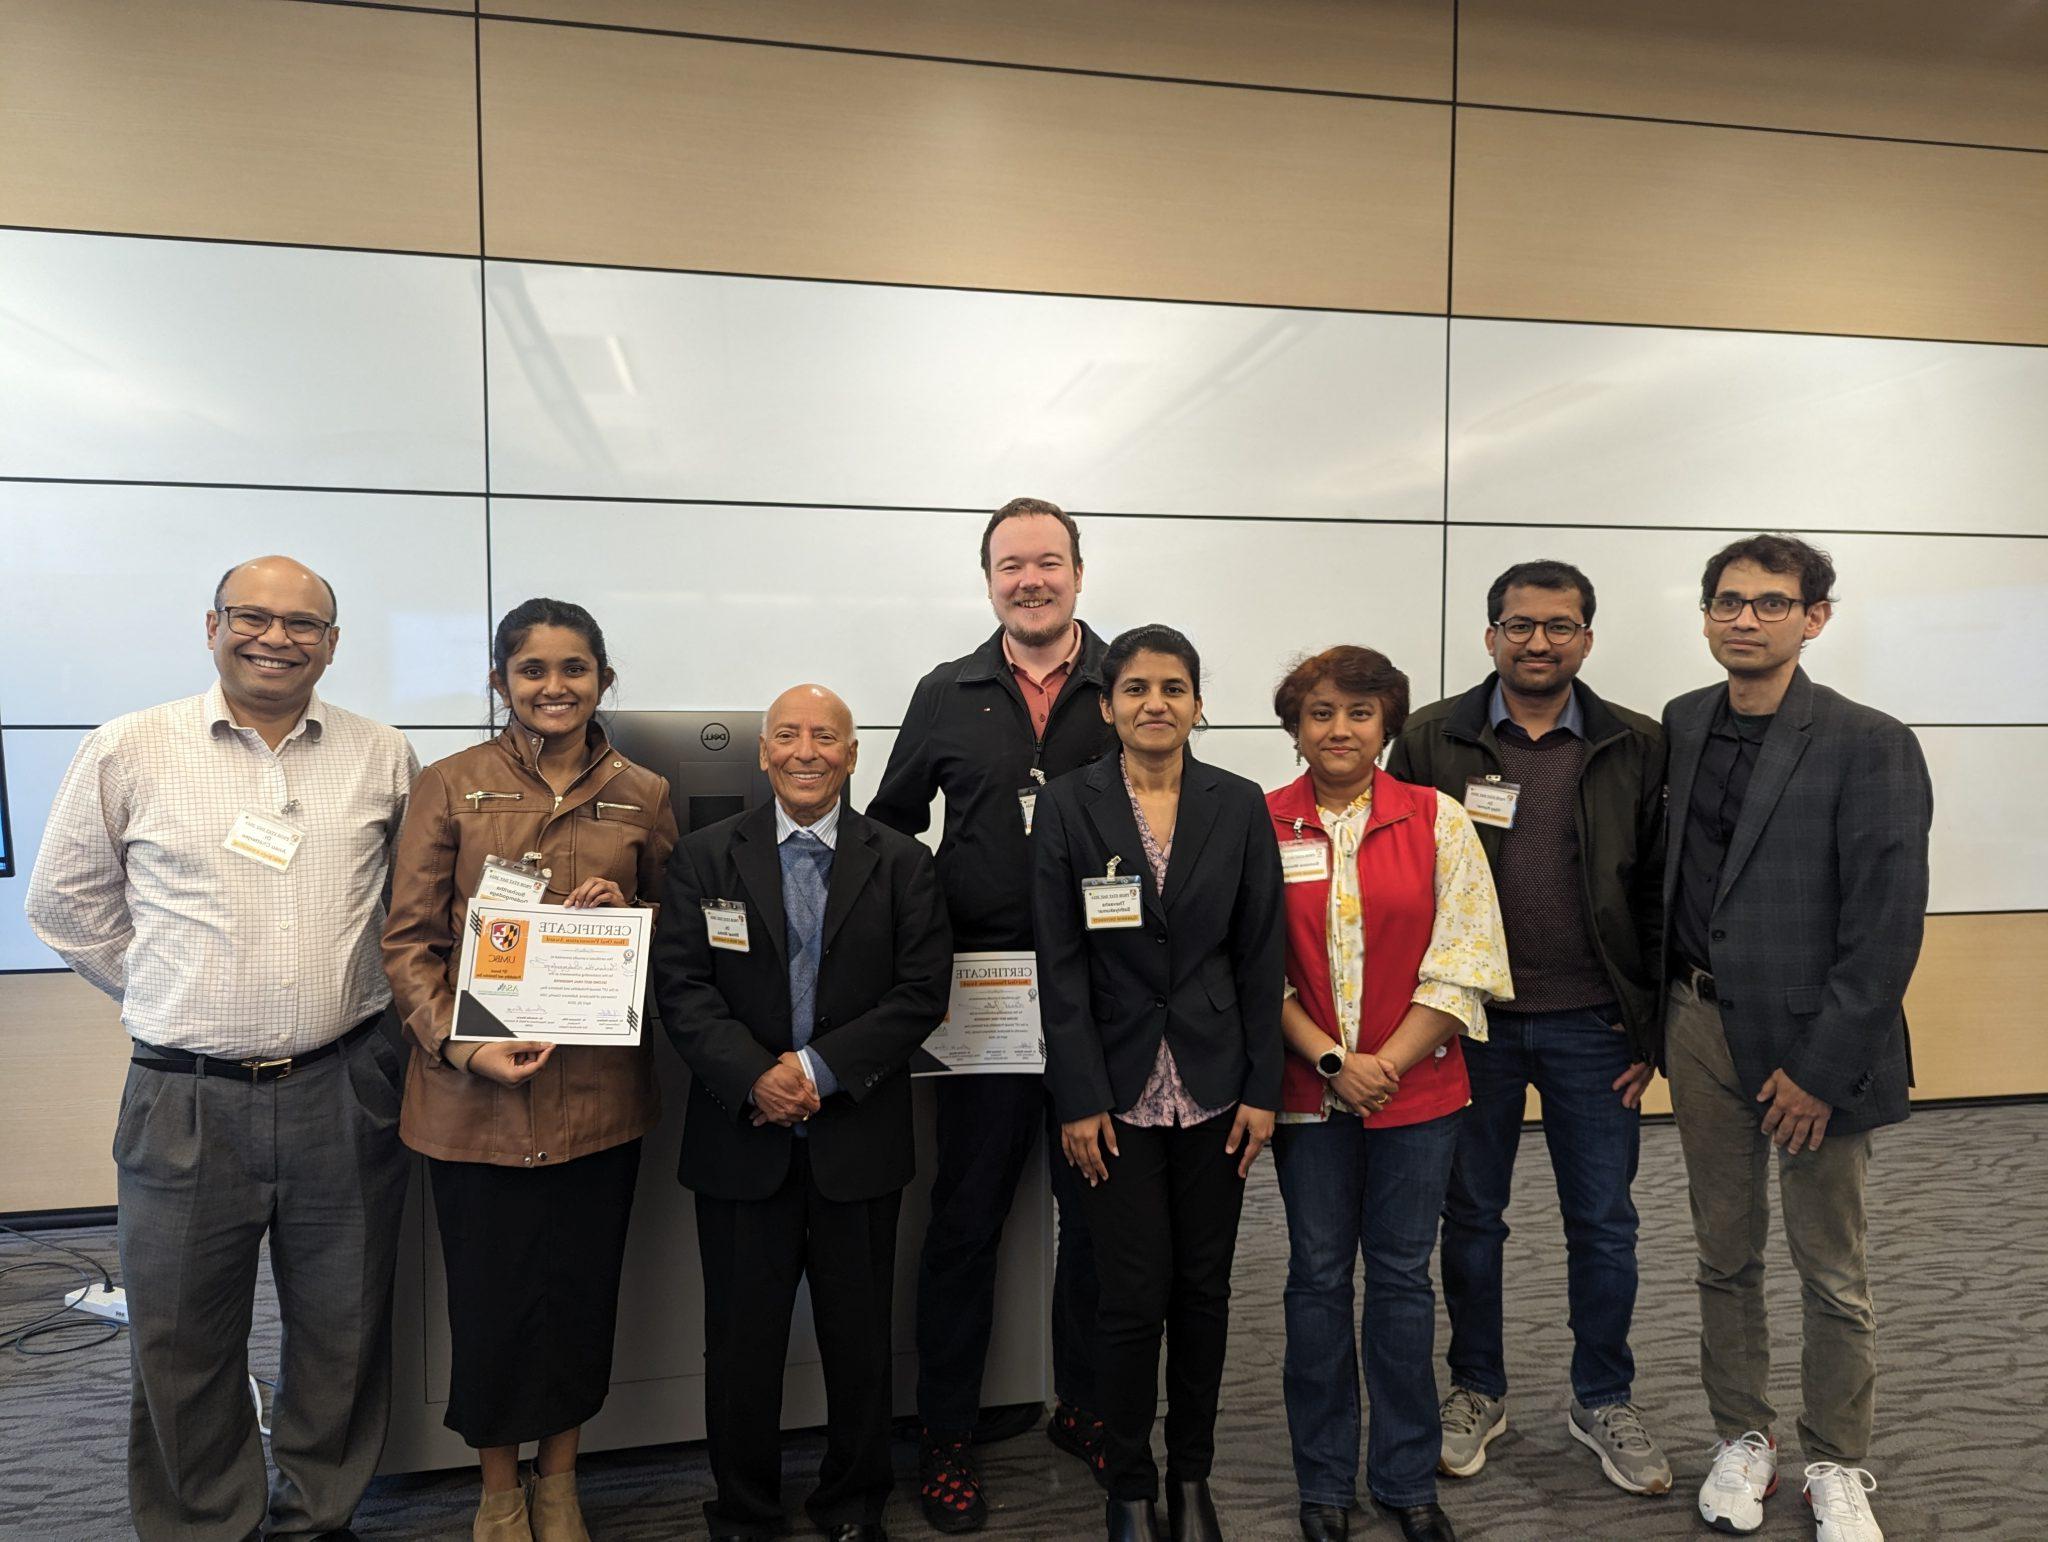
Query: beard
x,y
1035,630
1553,684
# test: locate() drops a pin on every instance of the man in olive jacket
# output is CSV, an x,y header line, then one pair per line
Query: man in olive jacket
x,y
1565,790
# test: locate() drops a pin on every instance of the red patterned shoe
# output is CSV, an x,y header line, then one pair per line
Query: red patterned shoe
x,y
1079,1433
949,1489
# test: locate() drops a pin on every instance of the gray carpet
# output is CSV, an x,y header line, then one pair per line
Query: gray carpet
x,y
1959,1260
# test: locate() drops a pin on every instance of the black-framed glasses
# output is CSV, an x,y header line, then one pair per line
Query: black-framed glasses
x,y
250,621
1557,629
1768,607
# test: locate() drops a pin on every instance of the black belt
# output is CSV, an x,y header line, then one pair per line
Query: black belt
x,y
1701,980
164,1057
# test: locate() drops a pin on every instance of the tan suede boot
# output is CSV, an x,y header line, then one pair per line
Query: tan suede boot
x,y
501,1517
556,1515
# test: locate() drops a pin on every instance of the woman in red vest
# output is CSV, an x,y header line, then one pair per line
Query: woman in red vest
x,y
1394,945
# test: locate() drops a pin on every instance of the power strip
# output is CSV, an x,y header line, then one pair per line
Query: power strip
x,y
108,1301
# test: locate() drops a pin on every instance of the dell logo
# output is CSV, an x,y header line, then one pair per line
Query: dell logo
x,y
715,736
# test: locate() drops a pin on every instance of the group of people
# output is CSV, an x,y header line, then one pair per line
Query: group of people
x,y
1366,969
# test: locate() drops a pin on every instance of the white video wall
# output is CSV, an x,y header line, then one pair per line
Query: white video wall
x,y
756,481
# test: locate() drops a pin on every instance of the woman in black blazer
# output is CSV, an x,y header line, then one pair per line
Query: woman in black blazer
x,y
1160,957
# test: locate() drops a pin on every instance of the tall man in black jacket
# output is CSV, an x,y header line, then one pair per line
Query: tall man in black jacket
x,y
987,731
1795,889
801,957
1566,791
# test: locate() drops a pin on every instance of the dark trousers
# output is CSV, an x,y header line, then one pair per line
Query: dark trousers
x,y
754,1252
1165,1226
533,1257
987,1129
1571,1059
1352,1190
208,1167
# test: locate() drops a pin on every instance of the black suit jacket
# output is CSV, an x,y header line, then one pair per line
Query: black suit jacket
x,y
1822,897
1205,971
883,982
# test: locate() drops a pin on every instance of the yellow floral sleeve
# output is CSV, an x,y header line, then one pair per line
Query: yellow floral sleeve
x,y
1467,962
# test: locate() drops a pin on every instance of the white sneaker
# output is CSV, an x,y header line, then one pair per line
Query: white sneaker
x,y
1840,1512
1744,1475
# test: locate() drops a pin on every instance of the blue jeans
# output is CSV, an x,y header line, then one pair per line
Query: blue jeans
x,y
1572,1059
1352,1190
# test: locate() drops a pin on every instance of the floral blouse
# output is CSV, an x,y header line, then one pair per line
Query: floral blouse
x,y
1467,961
1166,1099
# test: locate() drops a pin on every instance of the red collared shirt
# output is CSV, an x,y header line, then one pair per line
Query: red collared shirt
x,y
1039,695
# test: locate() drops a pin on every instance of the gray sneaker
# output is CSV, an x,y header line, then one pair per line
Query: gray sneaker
x,y
1628,1455
1471,1420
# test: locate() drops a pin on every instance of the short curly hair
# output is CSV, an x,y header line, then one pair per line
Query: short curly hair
x,y
1352,670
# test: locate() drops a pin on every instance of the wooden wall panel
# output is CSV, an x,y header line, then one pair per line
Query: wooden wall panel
x,y
1393,47
1973,71
669,152
1584,219
63,1058
1976,1007
245,119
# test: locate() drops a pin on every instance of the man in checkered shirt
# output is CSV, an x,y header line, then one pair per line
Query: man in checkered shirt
x,y
217,866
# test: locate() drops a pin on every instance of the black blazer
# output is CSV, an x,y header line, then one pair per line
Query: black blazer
x,y
1822,897
1205,971
883,982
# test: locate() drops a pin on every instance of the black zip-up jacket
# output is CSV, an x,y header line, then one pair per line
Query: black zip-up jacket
x,y
967,733
1620,823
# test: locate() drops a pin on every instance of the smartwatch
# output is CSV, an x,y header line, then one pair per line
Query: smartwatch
x,y
1330,1061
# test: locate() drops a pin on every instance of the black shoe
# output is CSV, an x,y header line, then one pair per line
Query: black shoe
x,y
1131,1520
949,1490
1079,1433
858,1531
1325,1523
1422,1523
1190,1512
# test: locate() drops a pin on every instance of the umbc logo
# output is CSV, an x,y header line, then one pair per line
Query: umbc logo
x,y
715,736
504,935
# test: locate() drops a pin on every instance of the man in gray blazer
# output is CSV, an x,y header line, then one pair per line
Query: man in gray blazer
x,y
1795,891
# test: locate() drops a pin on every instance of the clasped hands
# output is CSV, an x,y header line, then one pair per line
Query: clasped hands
x,y
784,1093
1365,1083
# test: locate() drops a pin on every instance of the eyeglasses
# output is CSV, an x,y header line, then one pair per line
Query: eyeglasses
x,y
1557,629
248,621
1768,607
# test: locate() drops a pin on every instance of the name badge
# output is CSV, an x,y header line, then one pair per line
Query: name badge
x,y
725,924
1107,903
511,883
261,839
1492,802
1304,861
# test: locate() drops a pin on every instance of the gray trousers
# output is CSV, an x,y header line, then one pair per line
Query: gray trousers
x,y
208,1165
1727,1166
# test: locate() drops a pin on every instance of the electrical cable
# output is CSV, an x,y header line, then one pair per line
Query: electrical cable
x,y
18,1336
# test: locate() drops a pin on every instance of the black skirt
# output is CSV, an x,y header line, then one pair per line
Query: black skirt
x,y
533,1258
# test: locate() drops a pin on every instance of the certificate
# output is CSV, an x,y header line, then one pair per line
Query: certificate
x,y
552,974
991,1021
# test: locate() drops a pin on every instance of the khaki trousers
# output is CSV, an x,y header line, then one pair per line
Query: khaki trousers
x,y
1727,1164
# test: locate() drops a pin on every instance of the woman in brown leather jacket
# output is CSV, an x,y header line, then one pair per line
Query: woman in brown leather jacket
x,y
532,1148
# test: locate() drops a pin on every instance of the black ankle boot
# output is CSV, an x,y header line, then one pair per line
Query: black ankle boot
x,y
1131,1520
1325,1523
1190,1512
1422,1523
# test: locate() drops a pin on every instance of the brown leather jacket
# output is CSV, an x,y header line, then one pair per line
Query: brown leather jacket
x,y
614,822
